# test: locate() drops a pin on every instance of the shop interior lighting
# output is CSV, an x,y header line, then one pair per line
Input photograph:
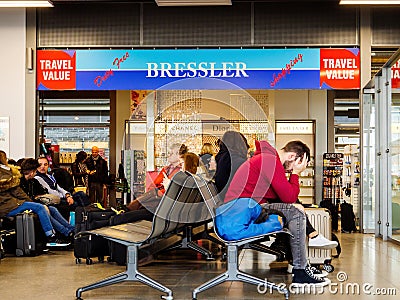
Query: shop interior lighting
x,y
26,3
370,2
193,2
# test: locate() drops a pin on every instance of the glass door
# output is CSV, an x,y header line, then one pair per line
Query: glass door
x,y
369,169
394,207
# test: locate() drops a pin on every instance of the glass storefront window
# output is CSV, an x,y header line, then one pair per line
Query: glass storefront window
x,y
74,125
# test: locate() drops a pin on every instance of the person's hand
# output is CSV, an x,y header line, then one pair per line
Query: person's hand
x,y
166,181
300,164
70,200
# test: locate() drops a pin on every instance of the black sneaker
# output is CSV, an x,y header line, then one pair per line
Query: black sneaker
x,y
303,277
318,272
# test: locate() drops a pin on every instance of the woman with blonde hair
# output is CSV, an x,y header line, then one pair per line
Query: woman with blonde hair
x,y
207,159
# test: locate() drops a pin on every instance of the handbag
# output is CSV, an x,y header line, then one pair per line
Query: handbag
x,y
49,199
80,188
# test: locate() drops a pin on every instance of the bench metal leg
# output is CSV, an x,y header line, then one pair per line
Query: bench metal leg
x,y
187,243
280,256
234,274
131,274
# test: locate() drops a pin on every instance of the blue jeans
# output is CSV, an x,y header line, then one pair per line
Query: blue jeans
x,y
296,223
38,209
59,223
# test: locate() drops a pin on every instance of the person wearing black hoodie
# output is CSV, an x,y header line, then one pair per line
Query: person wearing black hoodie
x,y
232,154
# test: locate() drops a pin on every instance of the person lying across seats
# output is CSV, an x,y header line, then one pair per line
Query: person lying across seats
x,y
263,177
13,200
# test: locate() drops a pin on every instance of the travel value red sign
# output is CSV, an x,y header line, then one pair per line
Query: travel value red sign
x,y
396,75
56,70
339,68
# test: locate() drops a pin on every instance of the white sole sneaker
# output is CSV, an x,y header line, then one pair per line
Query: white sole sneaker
x,y
304,287
322,275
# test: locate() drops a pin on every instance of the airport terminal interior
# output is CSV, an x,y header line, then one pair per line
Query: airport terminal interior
x,y
140,76
367,268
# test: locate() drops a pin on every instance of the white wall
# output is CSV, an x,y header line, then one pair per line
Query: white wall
x,y
12,76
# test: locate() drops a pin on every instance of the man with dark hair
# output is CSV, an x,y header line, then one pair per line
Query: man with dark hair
x,y
49,182
13,200
262,178
34,189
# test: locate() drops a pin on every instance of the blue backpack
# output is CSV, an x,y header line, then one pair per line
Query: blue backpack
x,y
236,220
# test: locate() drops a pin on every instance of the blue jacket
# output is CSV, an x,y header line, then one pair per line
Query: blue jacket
x,y
235,220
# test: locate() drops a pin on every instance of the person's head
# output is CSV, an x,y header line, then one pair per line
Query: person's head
x,y
190,162
12,162
207,149
3,158
183,149
43,165
173,154
29,167
81,156
292,151
234,141
95,151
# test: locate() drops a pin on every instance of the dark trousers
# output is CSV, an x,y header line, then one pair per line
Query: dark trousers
x,y
96,192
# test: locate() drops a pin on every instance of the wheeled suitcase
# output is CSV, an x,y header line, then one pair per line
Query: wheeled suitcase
x,y
88,246
31,239
321,220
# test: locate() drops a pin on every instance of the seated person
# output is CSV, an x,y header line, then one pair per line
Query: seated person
x,y
261,178
148,207
34,190
49,182
232,154
288,154
157,189
207,160
13,200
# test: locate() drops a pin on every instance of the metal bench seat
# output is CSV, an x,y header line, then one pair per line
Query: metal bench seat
x,y
210,196
181,204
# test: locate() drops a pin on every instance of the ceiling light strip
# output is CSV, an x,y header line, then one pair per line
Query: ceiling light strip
x,y
27,3
369,2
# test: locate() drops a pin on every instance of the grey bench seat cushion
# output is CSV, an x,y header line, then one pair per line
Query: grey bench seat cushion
x,y
129,233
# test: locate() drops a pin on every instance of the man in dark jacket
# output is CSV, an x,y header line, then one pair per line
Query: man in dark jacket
x,y
98,175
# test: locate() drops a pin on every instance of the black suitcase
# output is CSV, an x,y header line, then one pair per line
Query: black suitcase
x,y
31,239
89,218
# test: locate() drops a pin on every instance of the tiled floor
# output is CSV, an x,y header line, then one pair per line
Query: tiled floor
x,y
366,262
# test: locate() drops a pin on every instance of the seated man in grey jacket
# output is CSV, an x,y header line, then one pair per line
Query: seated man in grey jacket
x,y
50,183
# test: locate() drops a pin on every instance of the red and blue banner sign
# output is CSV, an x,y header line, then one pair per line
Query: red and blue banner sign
x,y
198,69
396,75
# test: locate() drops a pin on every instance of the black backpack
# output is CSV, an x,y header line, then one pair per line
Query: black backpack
x,y
348,219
